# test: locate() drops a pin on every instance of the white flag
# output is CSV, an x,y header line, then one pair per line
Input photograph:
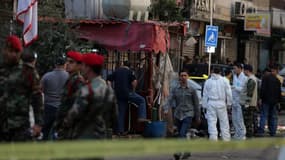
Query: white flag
x,y
27,14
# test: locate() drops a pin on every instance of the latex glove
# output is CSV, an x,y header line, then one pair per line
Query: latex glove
x,y
198,120
229,107
204,110
36,130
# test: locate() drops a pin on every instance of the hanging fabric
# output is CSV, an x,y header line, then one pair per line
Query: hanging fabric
x,y
27,14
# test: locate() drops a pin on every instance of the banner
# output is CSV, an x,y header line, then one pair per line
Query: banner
x,y
259,22
27,14
278,18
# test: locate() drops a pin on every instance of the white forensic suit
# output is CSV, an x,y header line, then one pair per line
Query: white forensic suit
x,y
237,116
217,95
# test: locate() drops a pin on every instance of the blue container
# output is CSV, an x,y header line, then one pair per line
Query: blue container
x,y
155,129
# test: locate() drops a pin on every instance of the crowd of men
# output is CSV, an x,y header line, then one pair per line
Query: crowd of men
x,y
242,97
82,110
236,105
74,102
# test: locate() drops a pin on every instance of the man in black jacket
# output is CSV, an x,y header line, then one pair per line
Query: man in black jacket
x,y
270,96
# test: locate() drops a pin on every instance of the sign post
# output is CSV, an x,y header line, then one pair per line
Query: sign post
x,y
211,37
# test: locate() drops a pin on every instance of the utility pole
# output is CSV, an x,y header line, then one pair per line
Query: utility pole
x,y
13,16
211,23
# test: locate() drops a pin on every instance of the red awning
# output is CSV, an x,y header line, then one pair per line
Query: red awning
x,y
133,36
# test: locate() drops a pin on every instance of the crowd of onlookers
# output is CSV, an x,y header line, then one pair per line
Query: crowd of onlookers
x,y
241,102
70,102
73,101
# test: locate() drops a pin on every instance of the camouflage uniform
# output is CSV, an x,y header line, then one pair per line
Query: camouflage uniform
x,y
3,77
250,120
249,108
92,110
70,90
21,89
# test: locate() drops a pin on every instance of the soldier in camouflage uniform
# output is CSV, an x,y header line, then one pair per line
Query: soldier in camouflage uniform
x,y
4,73
72,85
248,101
94,105
21,89
29,57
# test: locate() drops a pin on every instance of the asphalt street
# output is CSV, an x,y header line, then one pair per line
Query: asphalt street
x,y
272,153
253,154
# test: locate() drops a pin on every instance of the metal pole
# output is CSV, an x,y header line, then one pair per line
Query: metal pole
x,y
181,53
13,16
149,83
14,9
211,12
211,23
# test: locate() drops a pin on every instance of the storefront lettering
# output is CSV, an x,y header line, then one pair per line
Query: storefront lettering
x,y
201,10
278,18
203,5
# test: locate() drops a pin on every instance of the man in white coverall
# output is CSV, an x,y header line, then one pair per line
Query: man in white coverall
x,y
239,81
217,95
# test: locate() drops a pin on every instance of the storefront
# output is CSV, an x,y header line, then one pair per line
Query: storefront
x,y
278,35
200,17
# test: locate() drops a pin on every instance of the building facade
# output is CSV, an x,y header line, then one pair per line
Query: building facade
x,y
250,31
199,17
253,30
278,31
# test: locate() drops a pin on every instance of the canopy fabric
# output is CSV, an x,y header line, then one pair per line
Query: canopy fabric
x,y
132,36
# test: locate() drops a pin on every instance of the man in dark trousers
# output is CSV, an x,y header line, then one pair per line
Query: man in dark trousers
x,y
52,85
20,88
125,83
270,96
183,98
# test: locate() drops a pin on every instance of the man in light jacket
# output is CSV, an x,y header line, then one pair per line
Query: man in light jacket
x,y
217,95
239,80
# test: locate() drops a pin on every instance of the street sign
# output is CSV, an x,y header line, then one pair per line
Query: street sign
x,y
210,49
211,36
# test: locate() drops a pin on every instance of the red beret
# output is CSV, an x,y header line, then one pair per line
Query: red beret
x,y
93,59
75,56
15,43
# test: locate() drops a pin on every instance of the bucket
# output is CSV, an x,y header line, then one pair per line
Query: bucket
x,y
155,129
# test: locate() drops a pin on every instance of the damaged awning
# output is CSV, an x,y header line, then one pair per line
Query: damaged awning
x,y
127,36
